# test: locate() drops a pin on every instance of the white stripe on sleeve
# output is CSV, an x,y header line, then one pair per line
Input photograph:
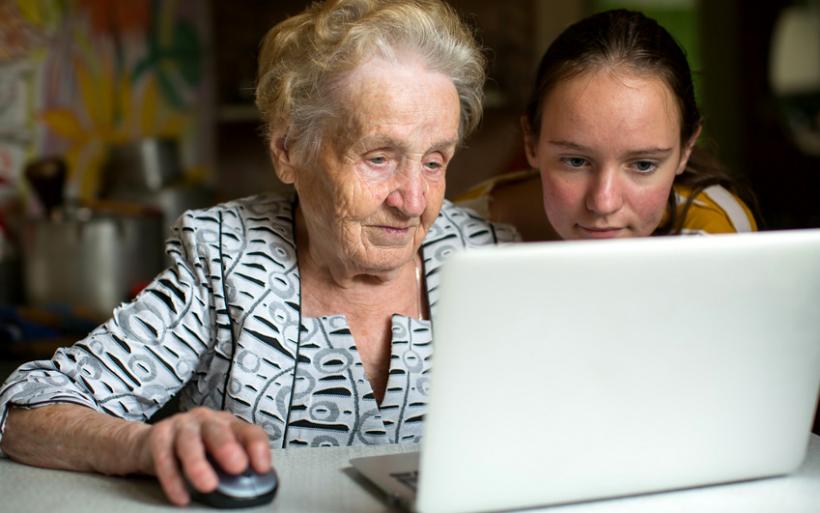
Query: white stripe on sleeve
x,y
730,204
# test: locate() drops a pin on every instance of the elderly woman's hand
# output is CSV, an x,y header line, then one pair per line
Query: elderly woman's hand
x,y
176,447
85,439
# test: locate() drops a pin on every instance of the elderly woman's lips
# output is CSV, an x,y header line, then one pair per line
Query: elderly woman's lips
x,y
390,235
395,229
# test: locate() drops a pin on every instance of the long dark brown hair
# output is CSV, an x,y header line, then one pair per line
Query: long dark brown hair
x,y
629,39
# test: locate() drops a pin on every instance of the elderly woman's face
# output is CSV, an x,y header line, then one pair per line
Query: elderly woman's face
x,y
378,184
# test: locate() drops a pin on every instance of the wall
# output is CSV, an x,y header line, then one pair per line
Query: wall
x,y
747,116
79,75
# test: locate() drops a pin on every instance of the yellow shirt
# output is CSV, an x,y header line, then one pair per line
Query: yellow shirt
x,y
714,210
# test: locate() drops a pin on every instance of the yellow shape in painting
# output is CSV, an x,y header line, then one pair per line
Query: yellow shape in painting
x,y
113,114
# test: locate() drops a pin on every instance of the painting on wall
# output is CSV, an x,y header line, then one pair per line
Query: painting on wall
x,y
78,76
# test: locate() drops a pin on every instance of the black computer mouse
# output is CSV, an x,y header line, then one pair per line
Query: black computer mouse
x,y
244,490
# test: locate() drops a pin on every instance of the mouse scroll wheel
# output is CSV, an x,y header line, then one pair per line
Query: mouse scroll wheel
x,y
245,480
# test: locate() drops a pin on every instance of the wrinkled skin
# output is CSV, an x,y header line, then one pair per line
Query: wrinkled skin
x,y
379,181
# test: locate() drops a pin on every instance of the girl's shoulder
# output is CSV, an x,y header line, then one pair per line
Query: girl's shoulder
x,y
714,210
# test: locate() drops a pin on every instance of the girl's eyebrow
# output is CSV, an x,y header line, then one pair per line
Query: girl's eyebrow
x,y
650,152
654,151
568,145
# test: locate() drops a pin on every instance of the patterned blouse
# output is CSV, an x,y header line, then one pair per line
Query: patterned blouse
x,y
222,327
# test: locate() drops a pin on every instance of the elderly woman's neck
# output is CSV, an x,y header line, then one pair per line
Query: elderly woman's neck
x,y
334,273
327,291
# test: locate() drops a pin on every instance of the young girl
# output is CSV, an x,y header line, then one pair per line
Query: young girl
x,y
610,132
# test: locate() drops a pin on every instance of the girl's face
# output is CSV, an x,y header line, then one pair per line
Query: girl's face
x,y
608,151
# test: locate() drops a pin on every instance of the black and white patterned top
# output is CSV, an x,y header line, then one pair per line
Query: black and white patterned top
x,y
222,327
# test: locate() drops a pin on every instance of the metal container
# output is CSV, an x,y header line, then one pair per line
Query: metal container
x,y
10,285
92,259
172,200
149,172
147,165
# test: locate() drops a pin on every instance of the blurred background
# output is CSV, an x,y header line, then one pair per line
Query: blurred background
x,y
115,116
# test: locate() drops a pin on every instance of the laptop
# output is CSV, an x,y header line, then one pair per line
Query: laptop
x,y
587,370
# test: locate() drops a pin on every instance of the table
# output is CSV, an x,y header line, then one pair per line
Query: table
x,y
321,480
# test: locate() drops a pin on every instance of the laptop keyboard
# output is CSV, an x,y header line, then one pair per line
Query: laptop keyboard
x,y
409,479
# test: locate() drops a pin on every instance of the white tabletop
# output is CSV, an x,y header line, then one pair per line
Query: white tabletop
x,y
321,480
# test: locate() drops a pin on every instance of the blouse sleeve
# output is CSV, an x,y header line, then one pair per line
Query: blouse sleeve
x,y
134,363
716,210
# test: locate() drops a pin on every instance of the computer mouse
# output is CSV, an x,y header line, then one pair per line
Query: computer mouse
x,y
244,490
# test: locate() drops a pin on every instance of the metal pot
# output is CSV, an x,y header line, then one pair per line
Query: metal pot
x,y
149,172
147,165
92,259
172,200
9,273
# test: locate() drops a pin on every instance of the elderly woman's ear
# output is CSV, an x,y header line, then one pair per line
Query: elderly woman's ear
x,y
282,161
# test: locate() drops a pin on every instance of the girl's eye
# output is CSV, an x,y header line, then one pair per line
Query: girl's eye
x,y
574,162
644,166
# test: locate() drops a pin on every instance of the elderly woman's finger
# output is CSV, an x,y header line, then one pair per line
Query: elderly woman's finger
x,y
190,451
222,444
255,441
166,467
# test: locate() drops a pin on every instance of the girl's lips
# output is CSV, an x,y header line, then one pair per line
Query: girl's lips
x,y
600,232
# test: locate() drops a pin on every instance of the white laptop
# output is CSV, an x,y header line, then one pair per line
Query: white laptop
x,y
575,371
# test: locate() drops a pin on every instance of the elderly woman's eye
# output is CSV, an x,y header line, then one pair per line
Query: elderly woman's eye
x,y
377,160
434,165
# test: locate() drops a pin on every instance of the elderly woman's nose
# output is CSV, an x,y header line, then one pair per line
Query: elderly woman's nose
x,y
605,193
409,191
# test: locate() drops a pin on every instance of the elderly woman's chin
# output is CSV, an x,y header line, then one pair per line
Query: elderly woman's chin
x,y
383,264
386,252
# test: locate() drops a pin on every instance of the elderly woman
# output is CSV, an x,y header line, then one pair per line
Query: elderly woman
x,y
297,321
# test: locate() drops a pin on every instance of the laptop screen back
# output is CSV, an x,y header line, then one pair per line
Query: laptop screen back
x,y
582,370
